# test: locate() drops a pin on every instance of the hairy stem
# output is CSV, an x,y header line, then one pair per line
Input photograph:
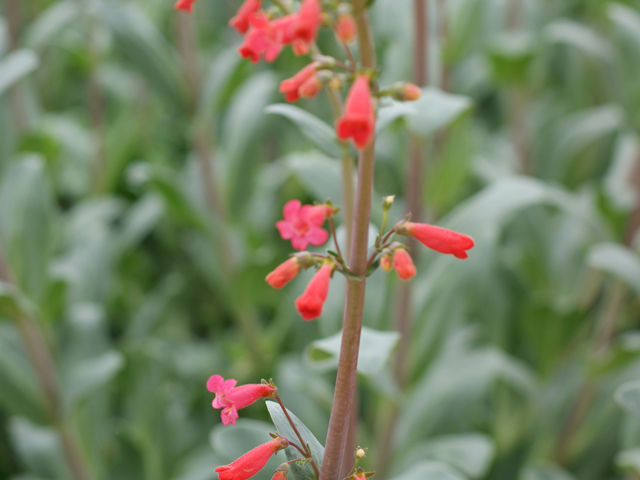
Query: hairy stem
x,y
354,307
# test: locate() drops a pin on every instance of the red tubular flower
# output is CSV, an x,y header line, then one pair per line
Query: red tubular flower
x,y
302,224
291,86
284,273
346,28
403,264
309,19
186,5
311,88
251,462
262,39
230,398
439,239
310,303
248,9
358,121
282,472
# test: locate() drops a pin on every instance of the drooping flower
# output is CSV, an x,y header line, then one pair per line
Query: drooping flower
x,y
262,39
346,28
358,121
241,21
302,224
186,5
311,87
251,462
230,398
291,86
281,472
403,264
310,303
438,238
309,19
284,273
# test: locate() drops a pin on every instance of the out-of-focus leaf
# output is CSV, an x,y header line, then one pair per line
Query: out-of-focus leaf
x,y
429,471
38,448
628,396
617,182
616,260
51,23
317,131
470,453
321,176
199,466
626,19
545,473
146,49
16,66
284,428
27,223
579,36
91,375
435,110
511,54
140,220
217,77
391,112
375,350
20,393
629,459
12,304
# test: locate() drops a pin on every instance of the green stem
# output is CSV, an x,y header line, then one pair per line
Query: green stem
x,y
354,307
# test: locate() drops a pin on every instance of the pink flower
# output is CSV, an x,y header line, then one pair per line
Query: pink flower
x,y
403,264
284,273
358,121
230,398
291,86
302,224
308,21
346,28
262,39
186,5
251,462
311,87
385,262
310,303
281,472
439,239
248,9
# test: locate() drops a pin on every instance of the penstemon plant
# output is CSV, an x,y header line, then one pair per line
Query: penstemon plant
x,y
267,32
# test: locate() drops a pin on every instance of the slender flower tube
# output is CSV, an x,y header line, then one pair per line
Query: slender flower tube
x,y
438,238
251,462
358,121
303,224
310,303
230,398
284,273
248,9
186,5
291,86
403,264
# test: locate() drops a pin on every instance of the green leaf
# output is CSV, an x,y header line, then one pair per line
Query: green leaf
x,y
16,66
317,131
27,223
626,19
579,36
470,453
54,21
284,429
375,351
91,376
429,470
387,114
511,54
628,396
629,459
435,110
618,261
617,182
12,304
38,448
320,175
545,473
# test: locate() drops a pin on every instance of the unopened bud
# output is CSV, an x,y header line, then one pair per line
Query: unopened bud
x,y
360,453
346,28
311,87
335,83
387,202
386,261
406,92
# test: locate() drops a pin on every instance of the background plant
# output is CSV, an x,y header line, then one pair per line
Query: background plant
x,y
140,186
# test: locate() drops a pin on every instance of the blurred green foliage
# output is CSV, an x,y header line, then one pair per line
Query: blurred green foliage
x,y
142,171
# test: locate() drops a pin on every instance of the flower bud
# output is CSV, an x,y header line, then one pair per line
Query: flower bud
x,y
346,28
311,87
360,453
385,261
387,202
403,264
409,92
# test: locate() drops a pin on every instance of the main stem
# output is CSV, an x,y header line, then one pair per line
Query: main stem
x,y
354,306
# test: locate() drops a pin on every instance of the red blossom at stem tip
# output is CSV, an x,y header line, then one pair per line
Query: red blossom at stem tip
x,y
438,238
251,462
403,264
358,121
241,21
291,86
302,224
230,398
186,5
310,303
284,273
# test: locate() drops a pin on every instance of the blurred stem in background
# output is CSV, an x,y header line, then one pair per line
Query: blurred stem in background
x,y
346,378
414,191
16,94
604,332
